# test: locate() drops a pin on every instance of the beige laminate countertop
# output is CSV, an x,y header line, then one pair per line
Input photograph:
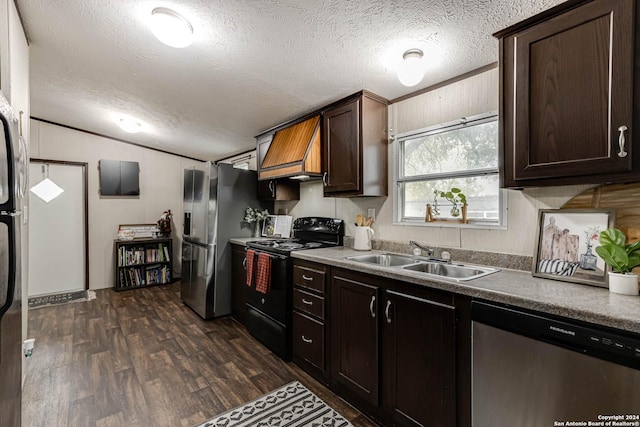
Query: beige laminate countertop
x,y
514,287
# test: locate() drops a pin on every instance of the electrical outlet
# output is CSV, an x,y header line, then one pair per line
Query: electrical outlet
x,y
371,212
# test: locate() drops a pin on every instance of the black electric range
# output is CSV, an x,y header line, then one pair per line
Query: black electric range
x,y
269,314
308,233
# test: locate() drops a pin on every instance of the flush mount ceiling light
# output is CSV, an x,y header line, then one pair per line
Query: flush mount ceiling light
x,y
171,28
129,125
411,70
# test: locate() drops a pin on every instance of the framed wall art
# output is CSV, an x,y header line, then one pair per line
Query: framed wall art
x,y
566,242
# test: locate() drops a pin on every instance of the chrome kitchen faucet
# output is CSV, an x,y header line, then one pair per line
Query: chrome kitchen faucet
x,y
428,251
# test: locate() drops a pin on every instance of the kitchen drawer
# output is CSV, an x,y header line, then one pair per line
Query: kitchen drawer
x,y
308,303
308,339
308,278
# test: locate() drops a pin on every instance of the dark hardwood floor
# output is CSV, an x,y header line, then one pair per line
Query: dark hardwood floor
x,y
142,358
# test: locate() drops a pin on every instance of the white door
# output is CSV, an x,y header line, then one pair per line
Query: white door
x,y
56,231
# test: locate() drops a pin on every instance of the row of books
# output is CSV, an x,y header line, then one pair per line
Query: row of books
x,y
135,277
161,254
128,255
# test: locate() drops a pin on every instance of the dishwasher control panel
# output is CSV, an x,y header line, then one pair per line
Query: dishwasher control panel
x,y
597,341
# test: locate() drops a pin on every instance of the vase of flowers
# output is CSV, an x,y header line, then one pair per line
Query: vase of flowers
x,y
255,216
588,260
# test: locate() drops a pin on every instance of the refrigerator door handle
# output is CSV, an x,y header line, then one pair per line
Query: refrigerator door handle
x,y
10,203
11,279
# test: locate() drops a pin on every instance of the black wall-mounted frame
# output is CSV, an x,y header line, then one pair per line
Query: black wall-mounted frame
x,y
119,178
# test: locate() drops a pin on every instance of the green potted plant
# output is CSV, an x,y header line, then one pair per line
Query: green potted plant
x,y
622,258
456,197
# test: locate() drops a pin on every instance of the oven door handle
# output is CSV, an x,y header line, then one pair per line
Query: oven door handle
x,y
258,251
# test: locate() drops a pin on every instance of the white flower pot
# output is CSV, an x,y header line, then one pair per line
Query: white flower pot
x,y
626,284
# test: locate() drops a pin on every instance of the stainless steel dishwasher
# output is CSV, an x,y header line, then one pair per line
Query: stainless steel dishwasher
x,y
534,370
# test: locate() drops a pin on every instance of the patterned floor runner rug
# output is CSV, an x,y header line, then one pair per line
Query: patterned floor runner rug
x,y
291,405
47,300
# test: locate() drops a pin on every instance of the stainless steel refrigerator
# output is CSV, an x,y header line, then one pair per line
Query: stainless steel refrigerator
x,y
12,170
215,197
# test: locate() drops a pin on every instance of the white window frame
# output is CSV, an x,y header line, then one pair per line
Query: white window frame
x,y
399,178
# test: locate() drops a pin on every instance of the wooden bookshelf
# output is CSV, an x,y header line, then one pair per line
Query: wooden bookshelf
x,y
141,263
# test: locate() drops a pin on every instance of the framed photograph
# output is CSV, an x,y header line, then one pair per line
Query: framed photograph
x,y
277,226
566,243
269,226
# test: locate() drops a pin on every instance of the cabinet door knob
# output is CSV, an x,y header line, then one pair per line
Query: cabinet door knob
x,y
307,340
304,301
622,141
310,279
386,311
371,308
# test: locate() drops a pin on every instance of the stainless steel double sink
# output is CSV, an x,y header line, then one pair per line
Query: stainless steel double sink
x,y
425,266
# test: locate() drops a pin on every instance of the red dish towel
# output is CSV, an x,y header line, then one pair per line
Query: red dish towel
x,y
250,256
263,274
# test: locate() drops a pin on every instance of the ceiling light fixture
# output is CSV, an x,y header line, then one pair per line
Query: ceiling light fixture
x,y
129,125
171,28
411,70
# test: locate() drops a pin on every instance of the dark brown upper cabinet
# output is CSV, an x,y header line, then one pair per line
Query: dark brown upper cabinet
x,y
278,190
355,147
568,103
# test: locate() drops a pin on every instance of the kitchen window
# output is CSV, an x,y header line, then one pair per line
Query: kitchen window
x,y
461,154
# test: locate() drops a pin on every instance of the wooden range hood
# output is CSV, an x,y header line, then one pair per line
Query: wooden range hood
x,y
294,150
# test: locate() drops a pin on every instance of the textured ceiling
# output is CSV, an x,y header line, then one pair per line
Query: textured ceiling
x,y
254,63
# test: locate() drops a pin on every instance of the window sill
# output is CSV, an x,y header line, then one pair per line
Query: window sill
x,y
472,226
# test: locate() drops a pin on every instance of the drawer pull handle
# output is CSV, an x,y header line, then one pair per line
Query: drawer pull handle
x,y
307,340
371,309
622,141
310,279
244,263
304,301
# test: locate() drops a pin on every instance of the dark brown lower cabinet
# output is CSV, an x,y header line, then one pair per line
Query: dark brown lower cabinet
x,y
239,289
308,339
354,337
418,361
393,350
309,333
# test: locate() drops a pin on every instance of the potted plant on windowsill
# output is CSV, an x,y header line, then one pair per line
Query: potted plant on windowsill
x,y
622,258
458,201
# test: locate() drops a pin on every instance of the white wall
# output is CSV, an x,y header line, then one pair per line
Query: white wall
x,y
474,95
160,189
